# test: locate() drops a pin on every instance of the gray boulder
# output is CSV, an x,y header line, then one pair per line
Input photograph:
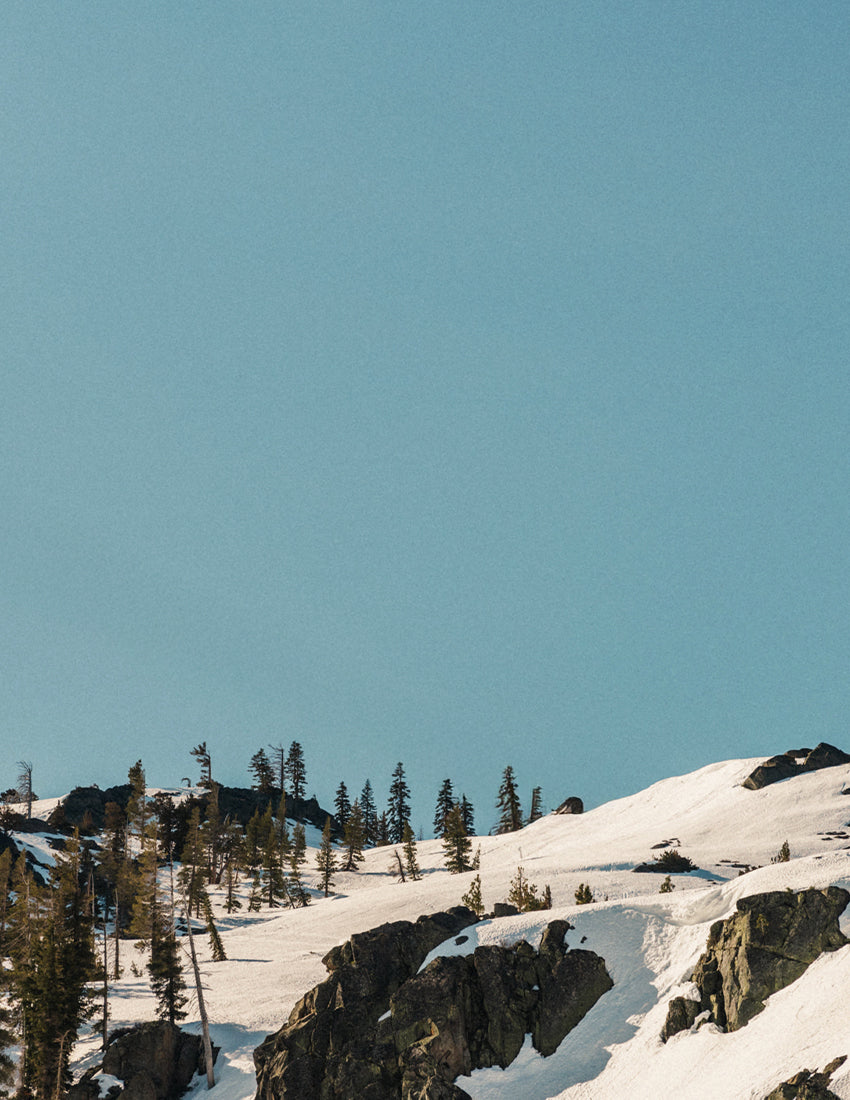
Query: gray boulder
x,y
795,762
763,947
156,1061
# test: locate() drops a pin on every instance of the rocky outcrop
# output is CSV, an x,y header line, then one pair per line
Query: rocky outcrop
x,y
155,1061
795,762
378,1029
806,1085
571,805
767,944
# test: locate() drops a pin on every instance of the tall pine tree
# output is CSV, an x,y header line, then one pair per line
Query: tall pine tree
x,y
508,804
398,808
445,801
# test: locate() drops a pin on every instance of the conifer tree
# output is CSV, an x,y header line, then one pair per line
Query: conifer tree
x,y
383,831
278,762
297,859
25,785
523,894
398,808
273,880
354,838
216,945
165,968
508,804
202,755
262,772
467,815
296,770
342,804
411,862
51,983
143,917
445,801
284,843
326,859
472,898
536,811
370,815
456,844
256,894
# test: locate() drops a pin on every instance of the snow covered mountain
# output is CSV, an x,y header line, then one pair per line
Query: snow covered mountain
x,y
649,940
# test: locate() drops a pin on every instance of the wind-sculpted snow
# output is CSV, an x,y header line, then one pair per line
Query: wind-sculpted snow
x,y
650,941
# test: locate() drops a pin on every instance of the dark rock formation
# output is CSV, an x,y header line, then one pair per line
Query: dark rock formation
x,y
88,804
571,806
682,1013
806,1085
378,1029
156,1061
795,762
767,944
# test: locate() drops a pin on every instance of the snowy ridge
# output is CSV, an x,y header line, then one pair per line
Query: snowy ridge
x,y
650,941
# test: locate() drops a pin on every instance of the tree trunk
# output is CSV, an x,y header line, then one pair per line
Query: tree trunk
x,y
205,1026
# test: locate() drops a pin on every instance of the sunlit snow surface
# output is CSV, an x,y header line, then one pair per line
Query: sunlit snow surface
x,y
650,941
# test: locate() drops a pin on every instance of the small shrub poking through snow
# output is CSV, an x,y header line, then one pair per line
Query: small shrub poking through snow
x,y
584,895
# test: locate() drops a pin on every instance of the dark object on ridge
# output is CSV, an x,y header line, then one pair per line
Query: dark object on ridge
x,y
795,762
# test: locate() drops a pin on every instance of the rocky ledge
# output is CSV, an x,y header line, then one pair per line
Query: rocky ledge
x,y
767,944
379,1029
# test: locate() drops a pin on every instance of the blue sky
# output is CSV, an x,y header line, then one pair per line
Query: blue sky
x,y
462,385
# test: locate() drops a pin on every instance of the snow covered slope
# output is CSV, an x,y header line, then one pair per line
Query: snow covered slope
x,y
650,941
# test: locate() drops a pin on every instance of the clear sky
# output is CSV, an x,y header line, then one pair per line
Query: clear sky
x,y
459,384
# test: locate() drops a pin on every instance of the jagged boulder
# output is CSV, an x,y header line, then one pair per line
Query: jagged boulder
x,y
767,944
155,1061
806,1085
378,1029
795,762
572,805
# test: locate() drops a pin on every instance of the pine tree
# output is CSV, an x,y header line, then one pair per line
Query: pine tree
x,y
296,770
273,880
411,862
467,815
342,804
216,945
354,838
456,844
297,859
143,915
165,968
536,812
278,761
326,859
523,894
25,785
256,894
51,985
510,819
472,898
262,772
445,801
383,831
370,815
201,754
398,808
284,843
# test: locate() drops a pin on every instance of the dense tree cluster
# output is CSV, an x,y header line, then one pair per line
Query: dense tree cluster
x,y
147,878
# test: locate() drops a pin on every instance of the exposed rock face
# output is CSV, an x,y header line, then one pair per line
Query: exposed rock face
x,y
378,1030
806,1085
795,762
766,945
572,805
155,1061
